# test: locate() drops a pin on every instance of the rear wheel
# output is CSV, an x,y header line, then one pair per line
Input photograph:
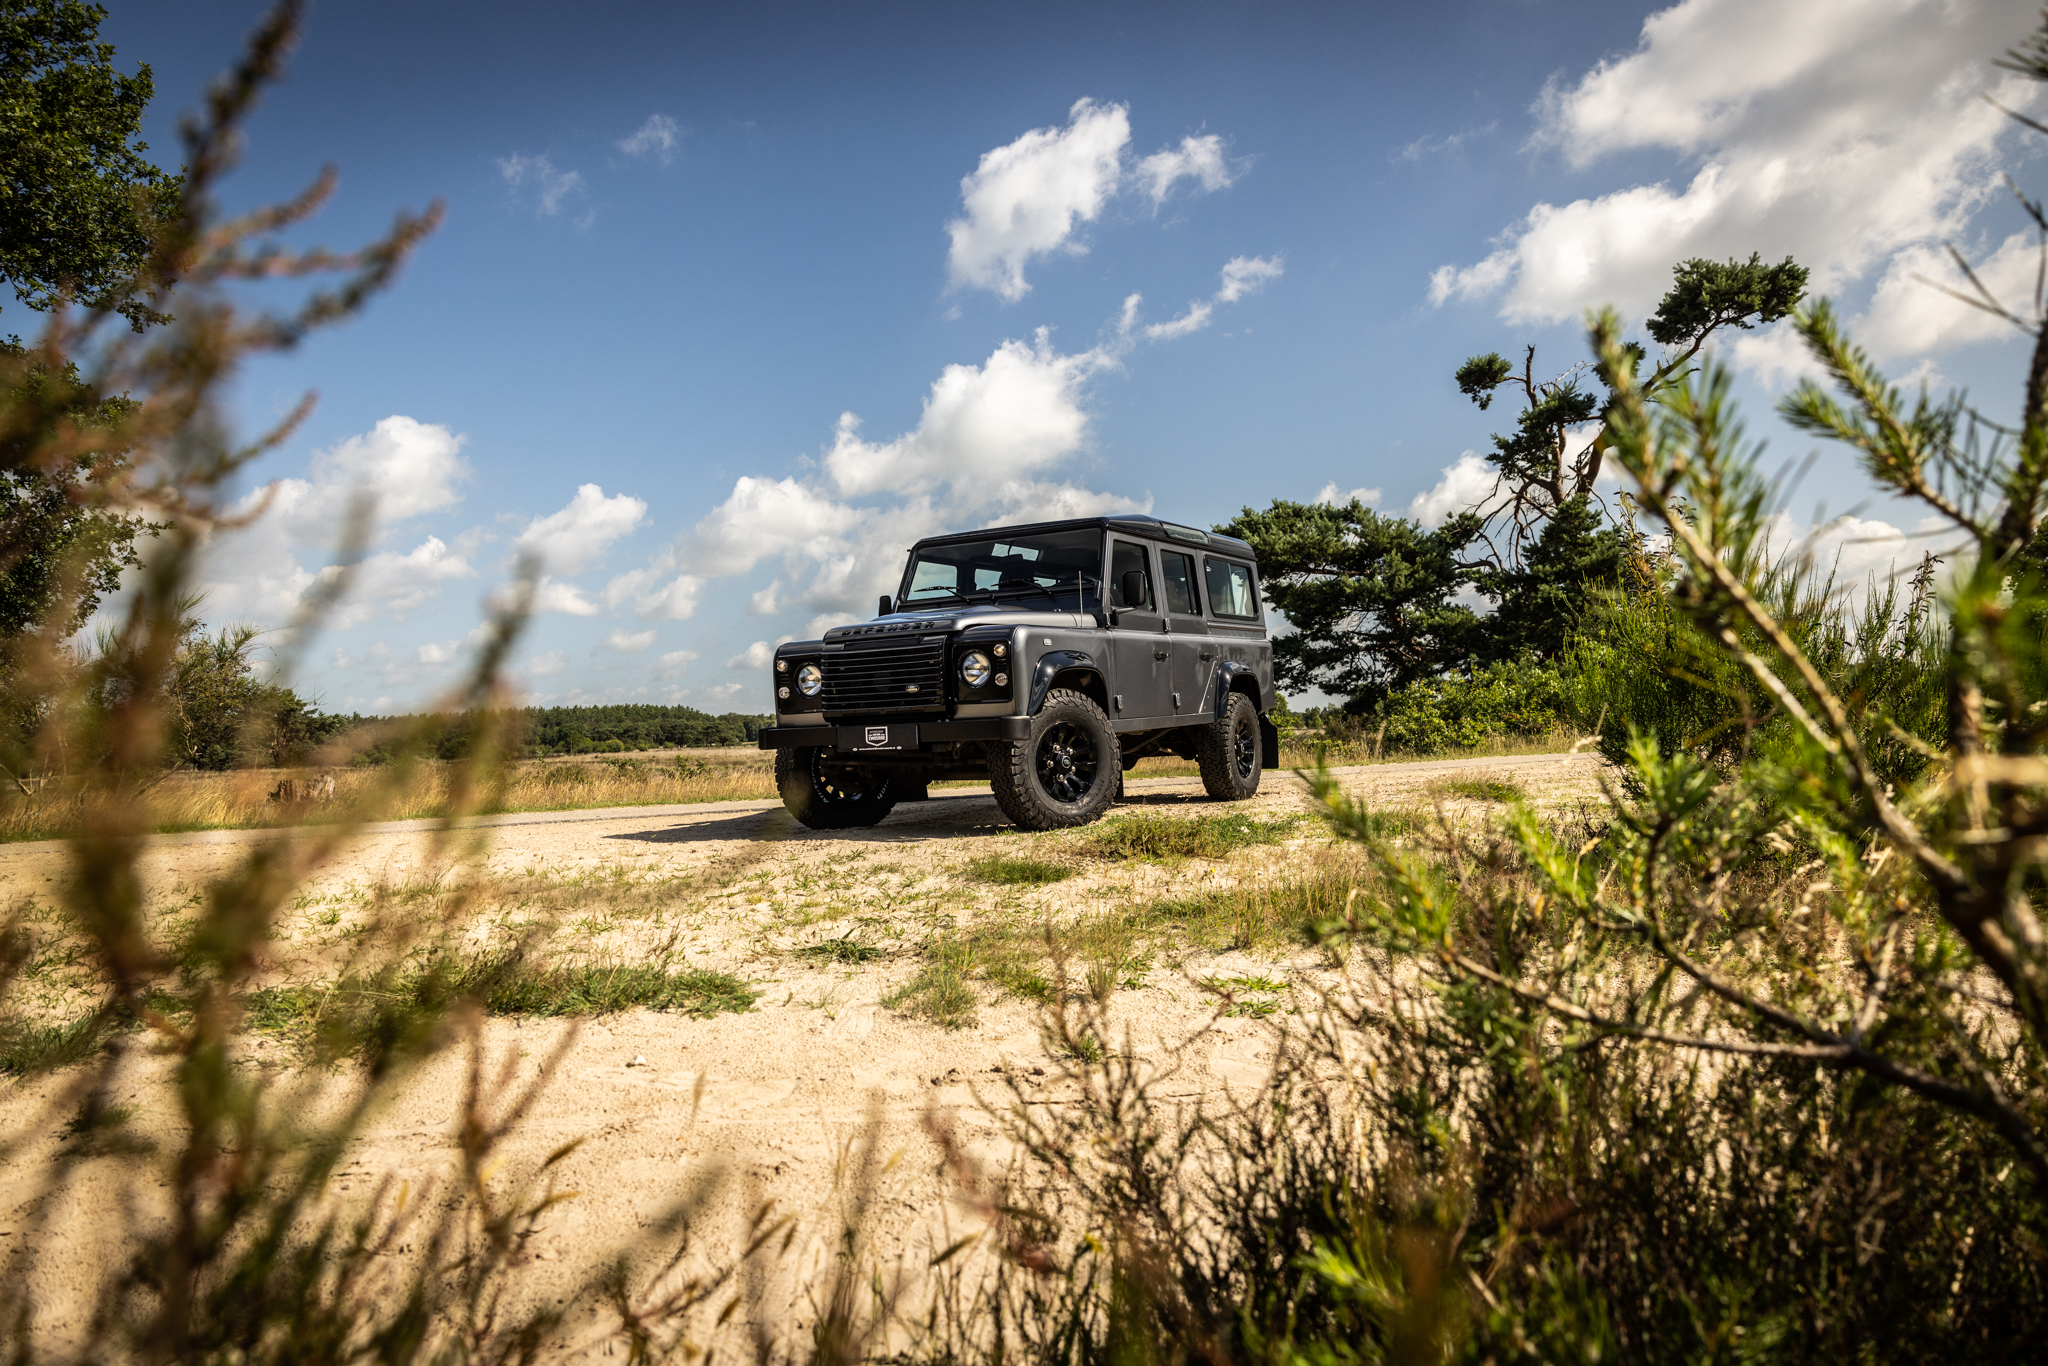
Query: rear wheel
x,y
1228,751
1066,769
828,796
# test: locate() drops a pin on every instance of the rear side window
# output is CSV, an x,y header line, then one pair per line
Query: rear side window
x,y
1230,589
1177,577
1123,557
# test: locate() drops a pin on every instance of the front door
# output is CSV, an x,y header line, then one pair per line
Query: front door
x,y
1141,675
1192,648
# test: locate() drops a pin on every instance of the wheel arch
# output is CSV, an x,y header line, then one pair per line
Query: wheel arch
x,y
1237,676
1075,669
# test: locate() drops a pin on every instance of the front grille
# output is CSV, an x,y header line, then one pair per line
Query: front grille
x,y
888,675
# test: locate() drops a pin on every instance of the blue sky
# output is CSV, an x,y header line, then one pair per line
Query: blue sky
x,y
732,303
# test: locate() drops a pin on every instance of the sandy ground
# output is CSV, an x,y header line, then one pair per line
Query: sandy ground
x,y
768,1100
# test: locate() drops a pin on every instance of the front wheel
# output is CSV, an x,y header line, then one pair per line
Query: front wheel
x,y
826,796
1228,750
1065,770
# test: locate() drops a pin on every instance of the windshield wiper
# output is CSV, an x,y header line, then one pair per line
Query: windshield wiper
x,y
954,591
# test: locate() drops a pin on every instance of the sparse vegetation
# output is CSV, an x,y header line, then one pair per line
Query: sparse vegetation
x,y
1500,790
1139,834
1013,870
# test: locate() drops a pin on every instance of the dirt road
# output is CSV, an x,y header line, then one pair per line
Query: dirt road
x,y
769,1098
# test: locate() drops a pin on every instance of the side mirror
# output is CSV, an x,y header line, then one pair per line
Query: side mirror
x,y
888,606
1133,587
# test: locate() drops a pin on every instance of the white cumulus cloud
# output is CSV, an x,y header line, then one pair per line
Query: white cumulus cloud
x,y
1026,197
1199,159
1333,497
1842,133
629,642
759,655
1463,484
984,452
1244,275
576,537
404,469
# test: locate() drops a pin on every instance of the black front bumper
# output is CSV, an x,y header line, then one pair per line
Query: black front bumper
x,y
928,733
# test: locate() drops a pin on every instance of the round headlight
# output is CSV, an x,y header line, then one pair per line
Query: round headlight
x,y
782,693
810,681
974,668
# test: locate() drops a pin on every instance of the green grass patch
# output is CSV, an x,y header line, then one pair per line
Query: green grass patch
x,y
357,1015
1501,790
941,992
845,949
27,1048
1146,835
1011,871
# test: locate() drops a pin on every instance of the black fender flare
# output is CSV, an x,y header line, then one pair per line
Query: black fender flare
x,y
1227,675
1269,734
1051,665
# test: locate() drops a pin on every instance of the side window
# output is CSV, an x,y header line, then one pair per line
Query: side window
x,y
1230,589
1177,580
1125,556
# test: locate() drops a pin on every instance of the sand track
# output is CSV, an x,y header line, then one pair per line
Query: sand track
x,y
769,1098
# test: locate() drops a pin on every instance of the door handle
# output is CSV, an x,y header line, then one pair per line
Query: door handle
x,y
1206,654
1158,654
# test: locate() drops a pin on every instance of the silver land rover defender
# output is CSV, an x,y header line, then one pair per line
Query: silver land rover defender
x,y
1048,658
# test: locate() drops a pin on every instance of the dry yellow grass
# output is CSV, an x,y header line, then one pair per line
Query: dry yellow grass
x,y
241,799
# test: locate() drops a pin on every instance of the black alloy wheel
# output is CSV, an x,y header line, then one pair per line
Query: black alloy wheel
x,y
1245,747
1228,751
1066,769
1066,762
828,796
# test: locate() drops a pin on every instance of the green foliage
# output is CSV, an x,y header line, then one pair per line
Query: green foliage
x,y
542,731
1452,712
1371,598
1140,834
79,204
1483,789
66,549
1013,871
1538,473
1708,295
346,1017
1542,600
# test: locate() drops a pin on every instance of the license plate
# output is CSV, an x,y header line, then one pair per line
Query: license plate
x,y
877,737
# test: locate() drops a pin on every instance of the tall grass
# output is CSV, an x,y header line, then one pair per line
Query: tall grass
x,y
242,799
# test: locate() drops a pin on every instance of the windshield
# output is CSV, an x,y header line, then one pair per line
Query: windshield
x,y
1044,563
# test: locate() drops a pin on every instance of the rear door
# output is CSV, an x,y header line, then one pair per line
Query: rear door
x,y
1141,675
1194,653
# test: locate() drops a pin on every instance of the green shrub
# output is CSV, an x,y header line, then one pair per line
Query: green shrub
x,y
1494,701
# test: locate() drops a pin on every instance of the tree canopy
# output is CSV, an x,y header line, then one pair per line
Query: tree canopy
x,y
79,202
1539,467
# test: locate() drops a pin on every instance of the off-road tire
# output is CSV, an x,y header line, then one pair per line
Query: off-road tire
x,y
1066,769
1228,751
825,800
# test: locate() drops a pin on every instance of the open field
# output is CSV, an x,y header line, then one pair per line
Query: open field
x,y
241,799
811,979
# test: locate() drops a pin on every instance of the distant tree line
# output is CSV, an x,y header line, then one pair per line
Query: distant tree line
x,y
538,732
